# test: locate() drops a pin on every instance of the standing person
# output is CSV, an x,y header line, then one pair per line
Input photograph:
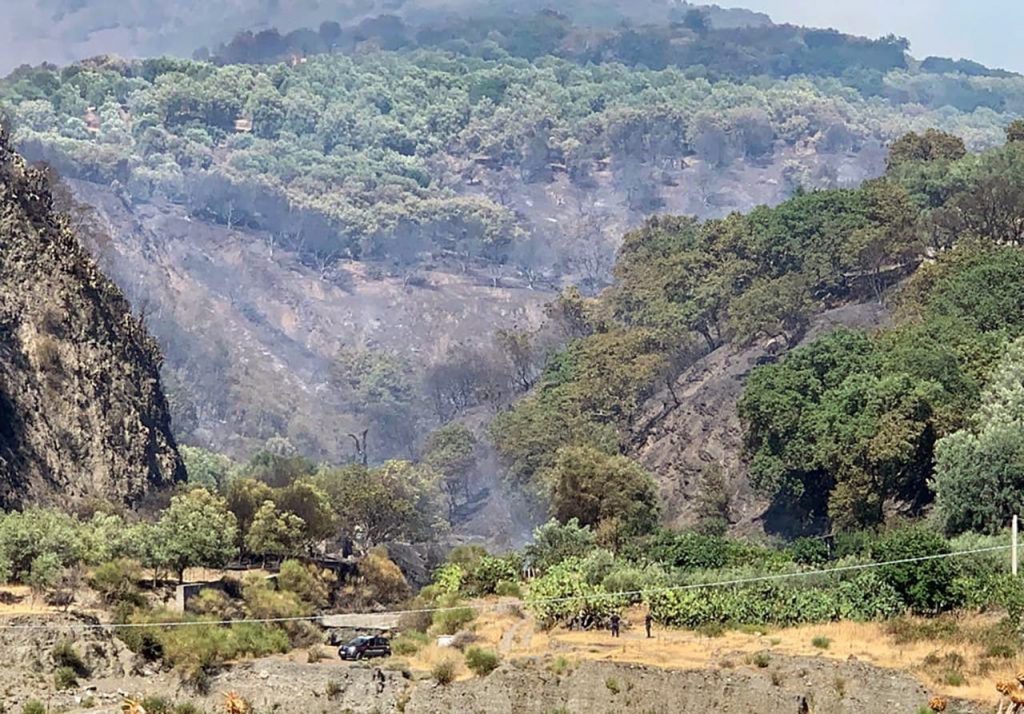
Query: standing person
x,y
648,621
378,678
615,624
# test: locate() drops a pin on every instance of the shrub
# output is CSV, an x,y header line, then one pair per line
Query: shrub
x,y
334,689
809,551
117,582
158,705
213,602
451,620
65,656
634,580
689,551
761,660
383,579
443,672
712,629
490,572
860,598
554,542
482,662
563,593
33,706
315,654
506,588
559,665
448,579
821,642
467,556
65,678
928,586
612,685
409,643
309,583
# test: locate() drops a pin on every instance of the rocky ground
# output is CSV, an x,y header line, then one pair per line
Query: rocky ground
x,y
533,686
569,677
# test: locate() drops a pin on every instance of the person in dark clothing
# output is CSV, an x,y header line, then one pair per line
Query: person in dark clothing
x,y
378,678
648,621
615,624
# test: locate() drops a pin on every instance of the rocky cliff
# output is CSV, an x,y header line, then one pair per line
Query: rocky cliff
x,y
682,442
82,415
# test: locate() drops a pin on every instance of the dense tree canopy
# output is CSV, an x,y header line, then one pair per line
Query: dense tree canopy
x,y
979,470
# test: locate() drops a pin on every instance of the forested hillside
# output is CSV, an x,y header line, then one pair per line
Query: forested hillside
x,y
346,236
852,428
68,30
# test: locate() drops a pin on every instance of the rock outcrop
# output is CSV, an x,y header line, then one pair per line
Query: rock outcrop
x,y
82,414
682,442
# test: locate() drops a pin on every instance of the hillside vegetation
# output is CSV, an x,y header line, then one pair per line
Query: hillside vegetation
x,y
415,163
848,429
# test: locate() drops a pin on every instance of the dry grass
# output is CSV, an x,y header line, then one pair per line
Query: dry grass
x,y
932,661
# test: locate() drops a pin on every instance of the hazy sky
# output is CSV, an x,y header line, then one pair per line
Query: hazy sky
x,y
983,30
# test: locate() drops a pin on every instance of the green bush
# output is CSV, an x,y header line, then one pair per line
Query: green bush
x,y
860,598
926,587
65,678
310,584
204,646
489,571
443,672
449,578
761,660
688,551
634,580
117,581
563,593
554,542
507,588
449,621
821,642
409,643
482,662
809,551
65,656
33,706
158,705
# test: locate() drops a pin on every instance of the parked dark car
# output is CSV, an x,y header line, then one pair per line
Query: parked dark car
x,y
365,648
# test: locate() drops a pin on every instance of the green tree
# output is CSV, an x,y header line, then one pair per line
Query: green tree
x,y
1015,131
929,586
451,452
594,488
307,501
274,533
932,145
979,470
197,529
395,501
554,542
244,498
205,468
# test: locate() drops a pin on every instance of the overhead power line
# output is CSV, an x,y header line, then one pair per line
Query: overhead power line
x,y
774,577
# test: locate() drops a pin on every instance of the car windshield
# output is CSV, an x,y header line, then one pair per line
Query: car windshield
x,y
358,641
